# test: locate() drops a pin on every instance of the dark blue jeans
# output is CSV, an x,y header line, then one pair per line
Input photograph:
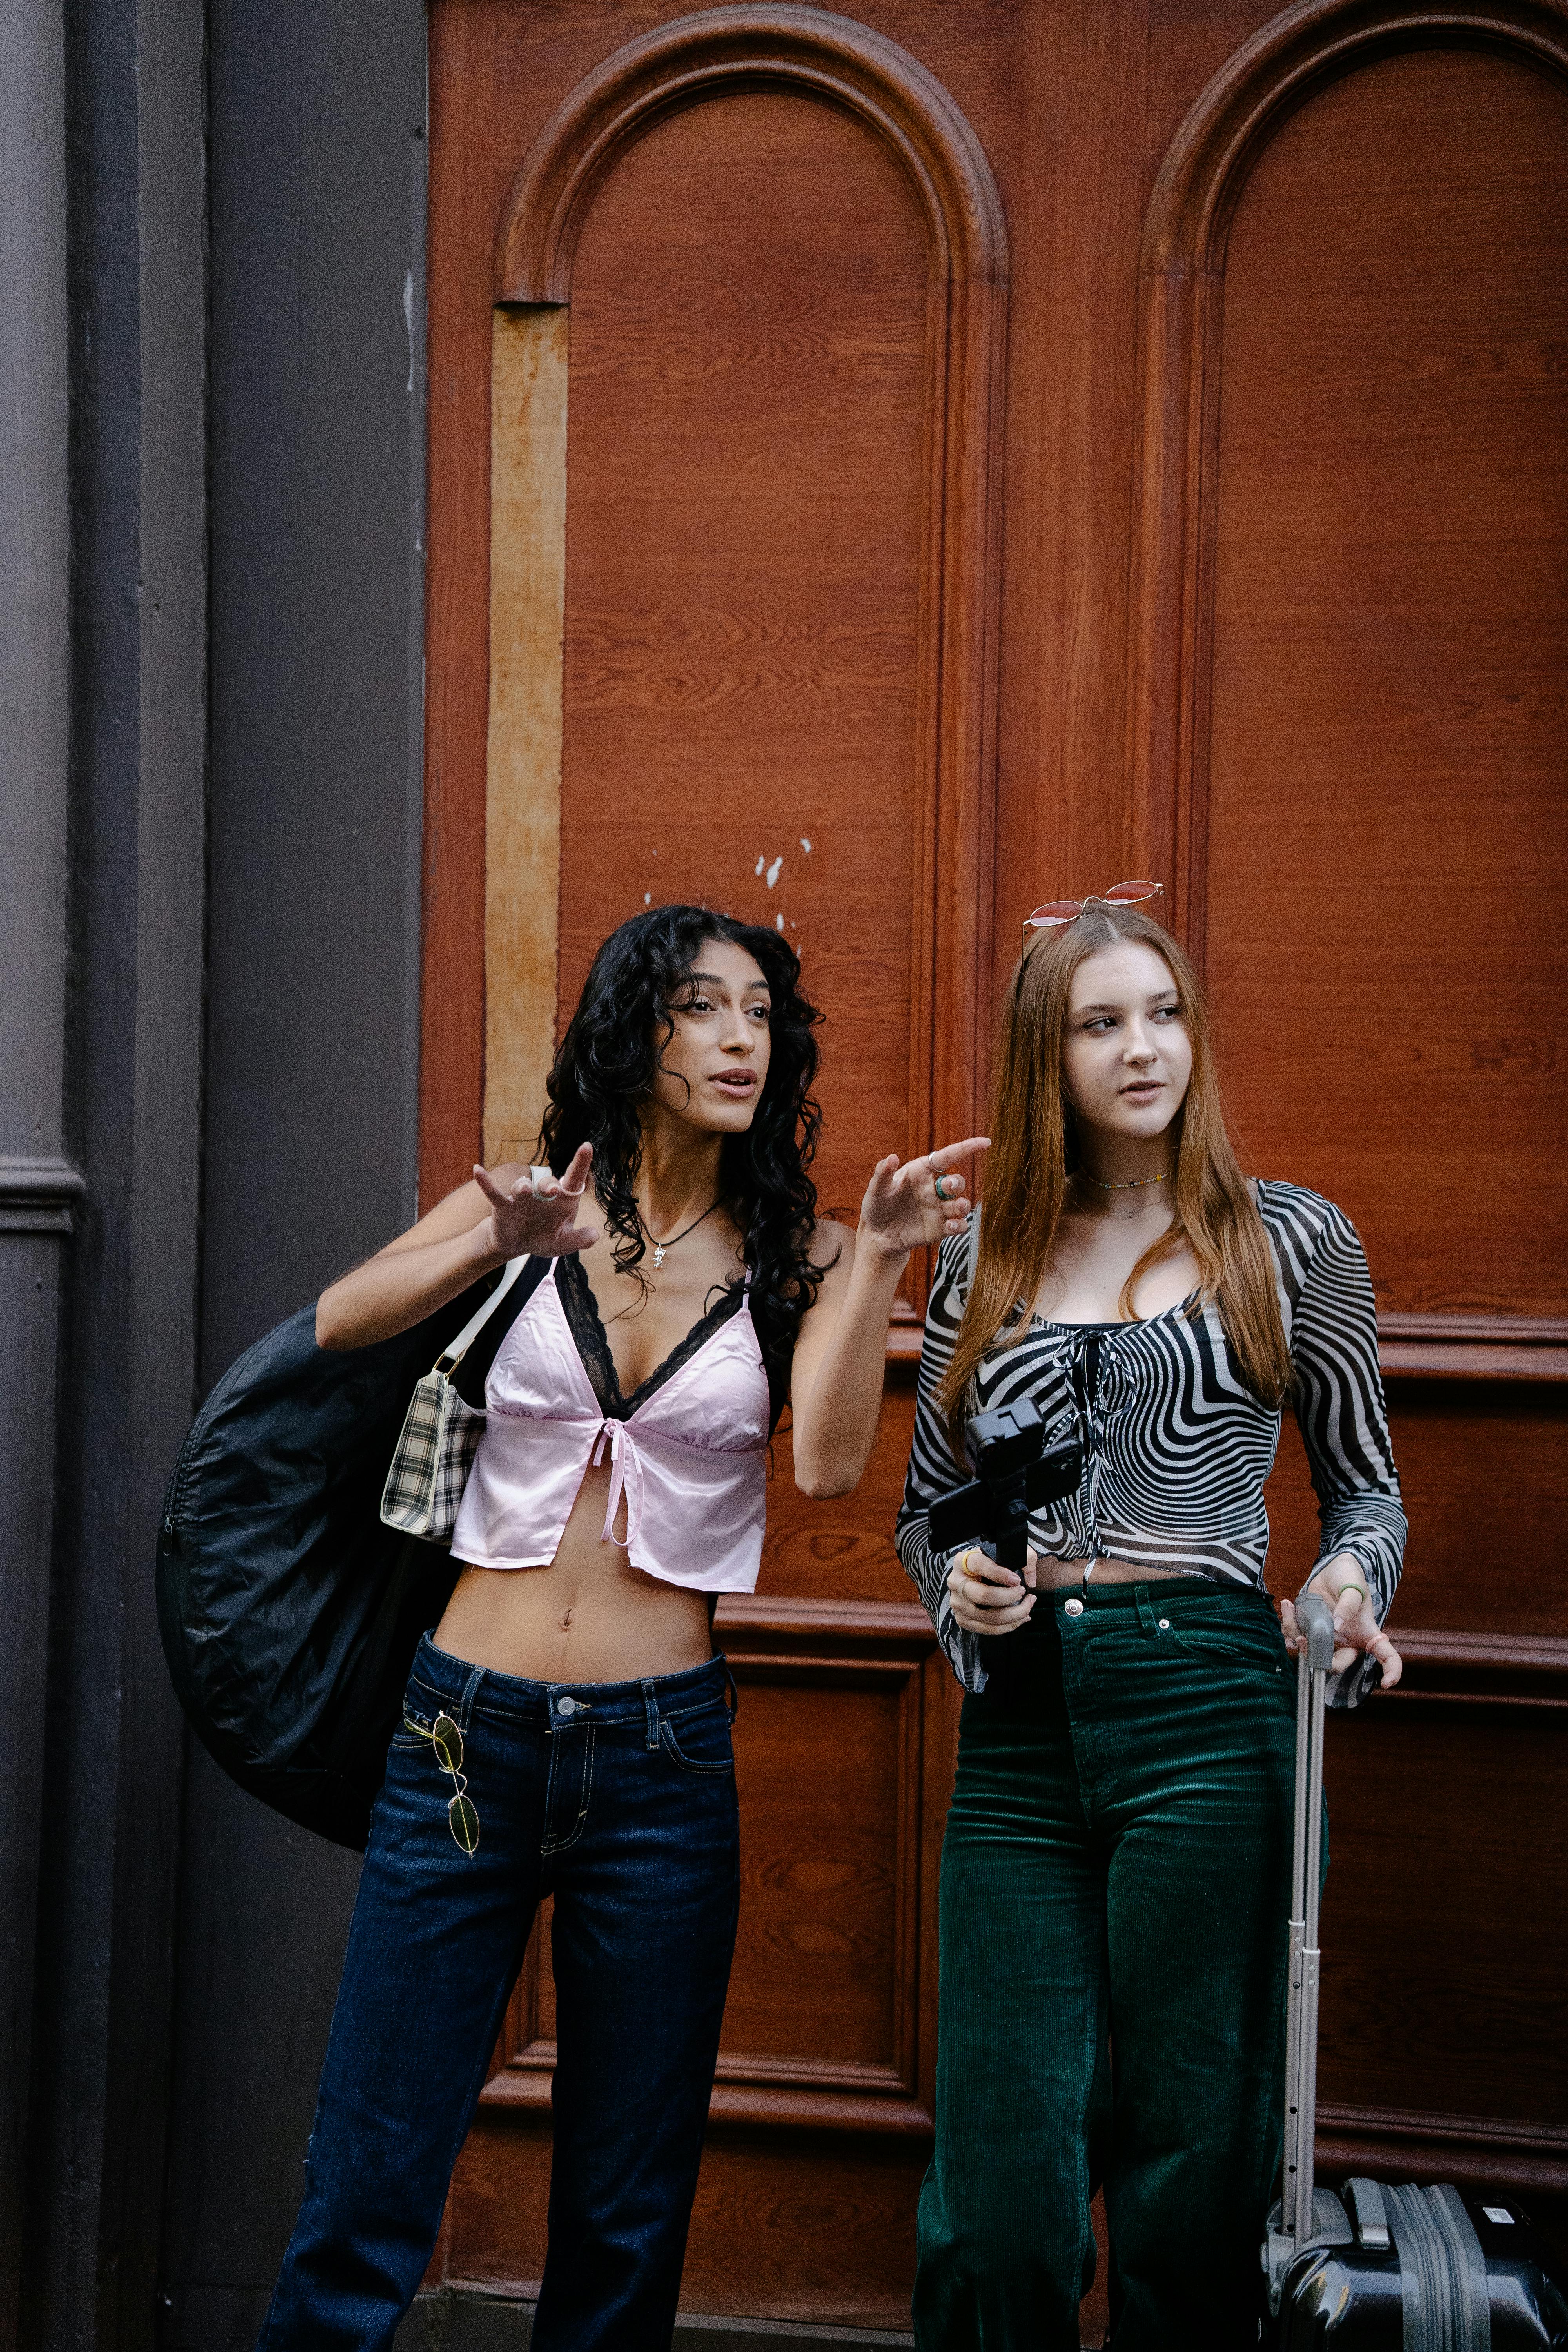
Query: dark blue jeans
x,y
619,1799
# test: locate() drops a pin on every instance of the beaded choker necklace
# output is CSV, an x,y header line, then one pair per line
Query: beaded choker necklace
x,y
1136,1185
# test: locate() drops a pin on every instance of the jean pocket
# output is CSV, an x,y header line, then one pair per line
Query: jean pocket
x,y
1259,1651
704,1744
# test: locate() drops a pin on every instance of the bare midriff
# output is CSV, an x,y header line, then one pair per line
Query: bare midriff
x,y
588,1617
1051,1574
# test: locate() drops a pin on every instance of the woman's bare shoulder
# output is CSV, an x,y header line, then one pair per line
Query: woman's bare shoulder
x,y
832,1246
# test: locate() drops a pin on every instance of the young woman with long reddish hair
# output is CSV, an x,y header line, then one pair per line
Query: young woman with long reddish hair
x,y
1116,1869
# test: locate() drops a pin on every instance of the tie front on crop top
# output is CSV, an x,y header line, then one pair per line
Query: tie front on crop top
x,y
1176,1450
687,1453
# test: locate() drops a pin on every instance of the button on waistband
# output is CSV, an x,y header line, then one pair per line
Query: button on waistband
x,y
565,1706
1075,1607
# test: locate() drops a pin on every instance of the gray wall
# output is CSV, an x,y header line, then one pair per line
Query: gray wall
x,y
35,1185
167,1950
211,451
113,244
316,423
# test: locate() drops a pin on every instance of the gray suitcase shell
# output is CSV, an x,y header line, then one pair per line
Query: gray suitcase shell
x,y
1421,2269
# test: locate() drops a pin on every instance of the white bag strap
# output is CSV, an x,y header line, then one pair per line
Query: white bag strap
x,y
453,1354
972,1249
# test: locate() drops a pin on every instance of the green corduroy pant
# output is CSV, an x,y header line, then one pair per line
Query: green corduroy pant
x,y
1116,1873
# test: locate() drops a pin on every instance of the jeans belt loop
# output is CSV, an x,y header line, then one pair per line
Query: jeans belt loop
x,y
470,1693
1146,1617
651,1703
732,1697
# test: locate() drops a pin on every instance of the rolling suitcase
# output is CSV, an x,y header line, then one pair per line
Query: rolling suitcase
x,y
1424,2269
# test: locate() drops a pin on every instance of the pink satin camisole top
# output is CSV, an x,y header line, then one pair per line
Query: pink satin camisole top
x,y
689,1461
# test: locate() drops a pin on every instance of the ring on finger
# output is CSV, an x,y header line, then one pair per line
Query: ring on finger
x,y
940,1188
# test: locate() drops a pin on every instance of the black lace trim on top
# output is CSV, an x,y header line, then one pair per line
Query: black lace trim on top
x,y
587,1329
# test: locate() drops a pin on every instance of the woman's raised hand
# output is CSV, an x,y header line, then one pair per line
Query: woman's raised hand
x,y
537,1216
1340,1583
909,1207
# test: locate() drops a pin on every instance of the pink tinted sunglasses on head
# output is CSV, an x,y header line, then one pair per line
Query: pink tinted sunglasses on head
x,y
1057,911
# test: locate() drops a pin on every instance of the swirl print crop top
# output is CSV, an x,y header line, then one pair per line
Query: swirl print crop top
x,y
1176,1449
687,1449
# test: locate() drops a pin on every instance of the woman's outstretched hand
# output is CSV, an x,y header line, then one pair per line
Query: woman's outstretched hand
x,y
904,1210
537,1216
1342,1583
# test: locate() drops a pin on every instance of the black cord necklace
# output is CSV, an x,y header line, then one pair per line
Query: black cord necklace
x,y
661,1249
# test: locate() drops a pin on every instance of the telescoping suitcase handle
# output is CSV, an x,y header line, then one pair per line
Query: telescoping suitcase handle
x,y
1315,1620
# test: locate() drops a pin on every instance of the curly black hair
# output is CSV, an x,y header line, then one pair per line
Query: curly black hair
x,y
604,1070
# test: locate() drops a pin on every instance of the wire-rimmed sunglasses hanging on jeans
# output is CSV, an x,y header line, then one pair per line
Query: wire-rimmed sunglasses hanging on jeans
x,y
619,1799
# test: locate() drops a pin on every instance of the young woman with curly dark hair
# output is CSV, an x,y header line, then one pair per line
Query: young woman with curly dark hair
x,y
566,1727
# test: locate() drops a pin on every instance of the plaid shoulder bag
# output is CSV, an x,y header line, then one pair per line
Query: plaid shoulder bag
x,y
441,1434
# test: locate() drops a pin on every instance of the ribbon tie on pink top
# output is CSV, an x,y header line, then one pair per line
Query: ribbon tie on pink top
x,y
625,1478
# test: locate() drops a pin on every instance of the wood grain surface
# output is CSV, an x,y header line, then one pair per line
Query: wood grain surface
x,y
1386,845
1349,597
1433,1966
748,389
784,249
1484,1469
522,803
1274,584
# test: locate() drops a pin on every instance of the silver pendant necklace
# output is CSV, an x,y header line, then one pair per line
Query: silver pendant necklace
x,y
661,1249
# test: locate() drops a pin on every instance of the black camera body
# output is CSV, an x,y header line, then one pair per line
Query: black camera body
x,y
1017,1475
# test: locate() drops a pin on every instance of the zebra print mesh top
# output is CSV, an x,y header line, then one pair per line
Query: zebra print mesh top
x,y
1175,1449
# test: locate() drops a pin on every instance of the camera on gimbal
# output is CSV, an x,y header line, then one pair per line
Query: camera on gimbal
x,y
1017,1475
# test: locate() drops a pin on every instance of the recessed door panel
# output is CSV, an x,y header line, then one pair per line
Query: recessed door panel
x,y
1387,849
744,502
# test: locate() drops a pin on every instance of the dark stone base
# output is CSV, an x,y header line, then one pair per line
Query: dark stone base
x,y
449,2322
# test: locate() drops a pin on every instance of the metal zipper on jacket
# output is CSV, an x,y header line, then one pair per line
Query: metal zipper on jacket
x,y
182,1477
182,1480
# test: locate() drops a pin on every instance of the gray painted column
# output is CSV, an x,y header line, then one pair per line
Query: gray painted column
x,y
37,1187
137,2230
123,272
317,376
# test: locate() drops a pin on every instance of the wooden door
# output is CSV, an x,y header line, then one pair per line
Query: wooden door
x,y
886,471
1357,567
